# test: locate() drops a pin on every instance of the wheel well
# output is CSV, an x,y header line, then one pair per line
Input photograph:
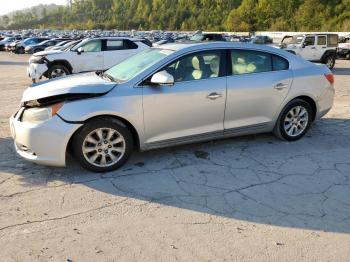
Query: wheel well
x,y
62,62
311,102
130,127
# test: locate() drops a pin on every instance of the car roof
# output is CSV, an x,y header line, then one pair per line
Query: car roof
x,y
118,38
220,45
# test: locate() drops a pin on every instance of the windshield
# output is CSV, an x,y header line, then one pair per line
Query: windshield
x,y
75,48
136,64
296,40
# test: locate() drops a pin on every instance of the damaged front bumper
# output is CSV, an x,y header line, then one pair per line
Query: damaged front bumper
x,y
36,71
43,143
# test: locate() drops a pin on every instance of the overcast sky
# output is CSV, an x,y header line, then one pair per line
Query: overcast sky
x,y
7,6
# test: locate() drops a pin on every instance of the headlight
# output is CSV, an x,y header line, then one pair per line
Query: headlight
x,y
38,115
37,59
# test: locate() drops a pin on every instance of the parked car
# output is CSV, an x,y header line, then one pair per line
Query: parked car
x,y
202,37
58,45
8,40
89,55
261,40
31,49
321,48
68,45
19,47
344,48
176,94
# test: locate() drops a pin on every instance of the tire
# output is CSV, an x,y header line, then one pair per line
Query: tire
x,y
20,50
94,153
329,61
282,130
57,71
347,56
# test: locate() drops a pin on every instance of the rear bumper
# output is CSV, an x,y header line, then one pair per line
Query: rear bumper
x,y
325,102
43,143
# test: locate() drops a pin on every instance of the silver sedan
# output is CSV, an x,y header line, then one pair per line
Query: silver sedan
x,y
175,94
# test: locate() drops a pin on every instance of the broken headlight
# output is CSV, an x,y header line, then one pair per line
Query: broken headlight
x,y
38,115
37,60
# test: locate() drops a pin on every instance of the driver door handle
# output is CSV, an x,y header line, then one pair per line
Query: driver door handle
x,y
213,96
280,86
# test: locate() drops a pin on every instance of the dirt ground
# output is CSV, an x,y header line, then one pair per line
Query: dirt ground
x,y
253,198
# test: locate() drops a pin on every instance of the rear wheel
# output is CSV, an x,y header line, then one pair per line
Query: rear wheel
x,y
20,50
57,71
294,121
347,56
103,145
330,61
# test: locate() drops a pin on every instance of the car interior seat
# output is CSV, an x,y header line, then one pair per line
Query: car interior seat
x,y
214,67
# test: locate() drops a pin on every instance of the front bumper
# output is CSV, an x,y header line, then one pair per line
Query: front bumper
x,y
36,71
44,143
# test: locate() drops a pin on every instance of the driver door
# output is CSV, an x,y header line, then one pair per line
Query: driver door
x,y
91,59
193,107
309,48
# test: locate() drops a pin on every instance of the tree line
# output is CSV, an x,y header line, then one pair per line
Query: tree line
x,y
210,15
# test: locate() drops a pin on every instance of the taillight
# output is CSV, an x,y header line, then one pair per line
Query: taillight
x,y
330,78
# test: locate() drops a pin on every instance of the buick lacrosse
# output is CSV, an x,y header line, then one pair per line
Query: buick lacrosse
x,y
171,95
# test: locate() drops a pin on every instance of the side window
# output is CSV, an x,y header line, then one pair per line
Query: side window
x,y
279,63
321,40
309,40
92,46
197,66
249,62
113,45
333,40
130,44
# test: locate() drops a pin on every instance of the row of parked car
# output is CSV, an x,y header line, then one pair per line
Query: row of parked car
x,y
59,56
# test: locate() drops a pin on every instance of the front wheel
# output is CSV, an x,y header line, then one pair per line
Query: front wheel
x,y
330,61
294,120
57,71
103,145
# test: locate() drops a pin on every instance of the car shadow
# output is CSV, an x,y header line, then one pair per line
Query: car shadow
x,y
13,63
304,184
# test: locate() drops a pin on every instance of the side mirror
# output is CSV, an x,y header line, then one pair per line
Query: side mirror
x,y
162,78
80,50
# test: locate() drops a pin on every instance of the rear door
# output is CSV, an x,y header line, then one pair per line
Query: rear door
x,y
321,45
257,86
116,50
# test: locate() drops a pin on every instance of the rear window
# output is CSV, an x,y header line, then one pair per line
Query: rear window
x,y
333,40
279,63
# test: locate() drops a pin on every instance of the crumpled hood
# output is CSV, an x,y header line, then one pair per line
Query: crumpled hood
x,y
48,52
87,83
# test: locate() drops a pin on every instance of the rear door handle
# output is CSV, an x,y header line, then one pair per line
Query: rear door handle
x,y
280,86
213,96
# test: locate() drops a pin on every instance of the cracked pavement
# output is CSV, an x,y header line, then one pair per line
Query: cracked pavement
x,y
252,198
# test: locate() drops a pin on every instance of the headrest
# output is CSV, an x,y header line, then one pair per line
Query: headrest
x,y
240,60
197,63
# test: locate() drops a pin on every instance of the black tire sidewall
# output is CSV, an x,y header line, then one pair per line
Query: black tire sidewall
x,y
333,61
49,72
79,138
287,108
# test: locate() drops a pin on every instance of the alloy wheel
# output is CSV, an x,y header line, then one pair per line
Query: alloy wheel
x,y
103,147
296,121
57,72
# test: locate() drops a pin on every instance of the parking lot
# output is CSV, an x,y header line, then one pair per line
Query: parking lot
x,y
240,199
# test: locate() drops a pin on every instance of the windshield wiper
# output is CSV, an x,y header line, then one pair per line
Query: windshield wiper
x,y
111,78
